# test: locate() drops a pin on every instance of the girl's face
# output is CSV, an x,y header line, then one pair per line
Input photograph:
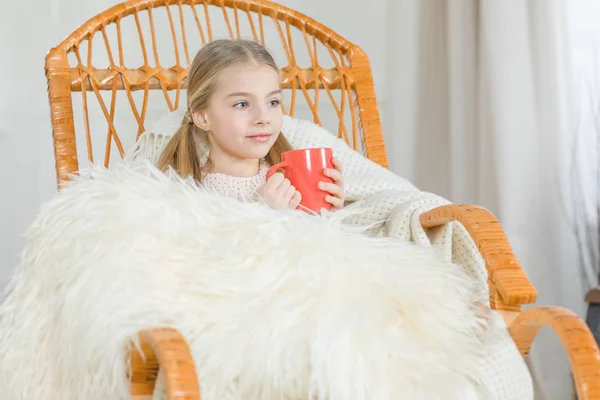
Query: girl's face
x,y
244,116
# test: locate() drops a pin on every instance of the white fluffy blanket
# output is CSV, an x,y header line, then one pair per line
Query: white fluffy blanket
x,y
274,304
303,306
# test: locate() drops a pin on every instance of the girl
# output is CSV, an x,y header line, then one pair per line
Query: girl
x,y
234,98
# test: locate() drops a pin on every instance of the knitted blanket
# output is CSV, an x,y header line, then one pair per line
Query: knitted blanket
x,y
392,206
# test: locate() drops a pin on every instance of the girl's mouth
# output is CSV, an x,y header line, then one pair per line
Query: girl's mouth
x,y
262,137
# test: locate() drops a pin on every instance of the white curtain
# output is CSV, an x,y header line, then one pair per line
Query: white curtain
x,y
478,111
584,163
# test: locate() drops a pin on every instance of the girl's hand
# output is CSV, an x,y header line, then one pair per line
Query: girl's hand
x,y
278,192
335,189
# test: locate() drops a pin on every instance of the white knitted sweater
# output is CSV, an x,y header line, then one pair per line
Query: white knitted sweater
x,y
238,187
390,206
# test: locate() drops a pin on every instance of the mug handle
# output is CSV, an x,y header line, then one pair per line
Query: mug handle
x,y
275,167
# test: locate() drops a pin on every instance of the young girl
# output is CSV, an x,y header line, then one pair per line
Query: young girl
x,y
234,98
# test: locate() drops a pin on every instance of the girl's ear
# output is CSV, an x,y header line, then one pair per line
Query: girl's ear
x,y
201,120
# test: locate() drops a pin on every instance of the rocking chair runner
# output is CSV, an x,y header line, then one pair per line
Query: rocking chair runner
x,y
357,120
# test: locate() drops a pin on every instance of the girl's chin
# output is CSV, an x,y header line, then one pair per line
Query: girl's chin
x,y
258,150
253,155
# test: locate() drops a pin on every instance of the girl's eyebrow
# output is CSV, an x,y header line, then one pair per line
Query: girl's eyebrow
x,y
241,94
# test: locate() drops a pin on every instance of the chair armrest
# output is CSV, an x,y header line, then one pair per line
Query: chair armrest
x,y
509,285
576,337
163,348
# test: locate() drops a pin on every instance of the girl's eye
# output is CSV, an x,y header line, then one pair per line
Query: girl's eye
x,y
241,104
274,103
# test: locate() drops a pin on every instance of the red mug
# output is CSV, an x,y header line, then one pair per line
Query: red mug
x,y
305,169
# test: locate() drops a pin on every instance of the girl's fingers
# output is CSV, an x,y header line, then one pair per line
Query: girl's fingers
x,y
337,164
332,188
335,175
296,199
336,202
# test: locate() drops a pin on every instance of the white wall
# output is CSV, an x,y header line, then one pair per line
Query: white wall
x,y
27,175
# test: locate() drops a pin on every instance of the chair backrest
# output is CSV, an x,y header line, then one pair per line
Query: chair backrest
x,y
127,67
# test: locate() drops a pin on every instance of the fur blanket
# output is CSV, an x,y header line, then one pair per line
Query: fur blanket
x,y
274,304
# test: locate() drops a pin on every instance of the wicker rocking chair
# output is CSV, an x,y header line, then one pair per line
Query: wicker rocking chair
x,y
137,53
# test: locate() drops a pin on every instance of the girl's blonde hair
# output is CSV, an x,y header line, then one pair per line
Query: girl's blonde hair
x,y
181,153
